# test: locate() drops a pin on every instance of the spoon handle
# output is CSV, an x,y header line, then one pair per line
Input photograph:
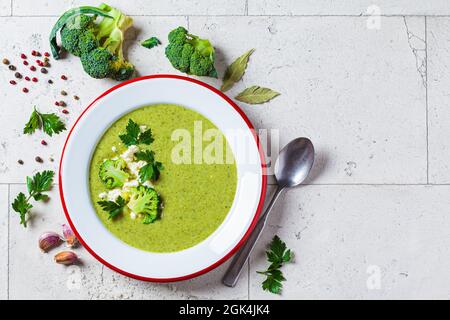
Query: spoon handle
x,y
234,270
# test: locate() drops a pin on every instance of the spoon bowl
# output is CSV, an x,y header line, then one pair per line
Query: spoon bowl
x,y
294,163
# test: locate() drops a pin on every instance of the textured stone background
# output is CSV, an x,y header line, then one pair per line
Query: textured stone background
x,y
371,92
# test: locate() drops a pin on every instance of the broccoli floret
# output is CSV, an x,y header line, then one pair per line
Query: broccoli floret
x,y
73,33
123,70
99,45
145,200
97,62
69,17
190,54
112,173
107,59
88,41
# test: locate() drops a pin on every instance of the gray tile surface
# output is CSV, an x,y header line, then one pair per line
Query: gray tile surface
x,y
361,242
136,7
348,7
4,241
438,37
371,92
359,94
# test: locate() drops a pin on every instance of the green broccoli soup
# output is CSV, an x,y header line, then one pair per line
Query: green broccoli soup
x,y
162,178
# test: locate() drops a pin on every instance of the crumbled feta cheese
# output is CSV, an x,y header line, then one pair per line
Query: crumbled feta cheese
x,y
148,184
114,149
103,195
114,194
133,215
142,128
128,155
134,167
130,184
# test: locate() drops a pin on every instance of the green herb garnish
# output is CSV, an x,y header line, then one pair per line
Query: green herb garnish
x,y
152,169
256,95
39,183
134,136
235,71
49,122
114,208
151,42
277,255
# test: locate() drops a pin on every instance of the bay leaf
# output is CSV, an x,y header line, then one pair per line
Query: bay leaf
x,y
256,95
235,71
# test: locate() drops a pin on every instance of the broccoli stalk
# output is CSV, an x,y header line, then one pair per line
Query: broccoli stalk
x,y
190,54
146,201
99,45
112,173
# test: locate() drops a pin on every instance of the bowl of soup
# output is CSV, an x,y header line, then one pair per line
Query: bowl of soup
x,y
162,178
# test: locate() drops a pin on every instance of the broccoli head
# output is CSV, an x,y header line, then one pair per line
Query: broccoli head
x,y
107,59
146,201
97,62
190,54
88,41
112,173
99,44
73,33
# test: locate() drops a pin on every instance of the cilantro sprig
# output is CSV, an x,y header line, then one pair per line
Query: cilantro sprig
x,y
50,123
36,186
278,254
114,208
134,136
152,169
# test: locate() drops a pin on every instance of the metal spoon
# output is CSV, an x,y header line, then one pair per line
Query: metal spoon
x,y
291,168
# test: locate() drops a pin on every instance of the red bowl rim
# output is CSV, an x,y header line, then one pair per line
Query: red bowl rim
x,y
258,209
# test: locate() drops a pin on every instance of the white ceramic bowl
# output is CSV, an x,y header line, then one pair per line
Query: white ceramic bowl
x,y
74,178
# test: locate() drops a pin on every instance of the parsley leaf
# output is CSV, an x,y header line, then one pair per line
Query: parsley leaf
x,y
32,124
52,124
131,137
48,122
36,185
147,155
151,42
146,137
22,206
113,208
278,254
41,182
273,282
152,170
134,136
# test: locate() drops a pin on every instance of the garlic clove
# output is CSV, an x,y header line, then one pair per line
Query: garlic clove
x,y
69,235
66,258
49,240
